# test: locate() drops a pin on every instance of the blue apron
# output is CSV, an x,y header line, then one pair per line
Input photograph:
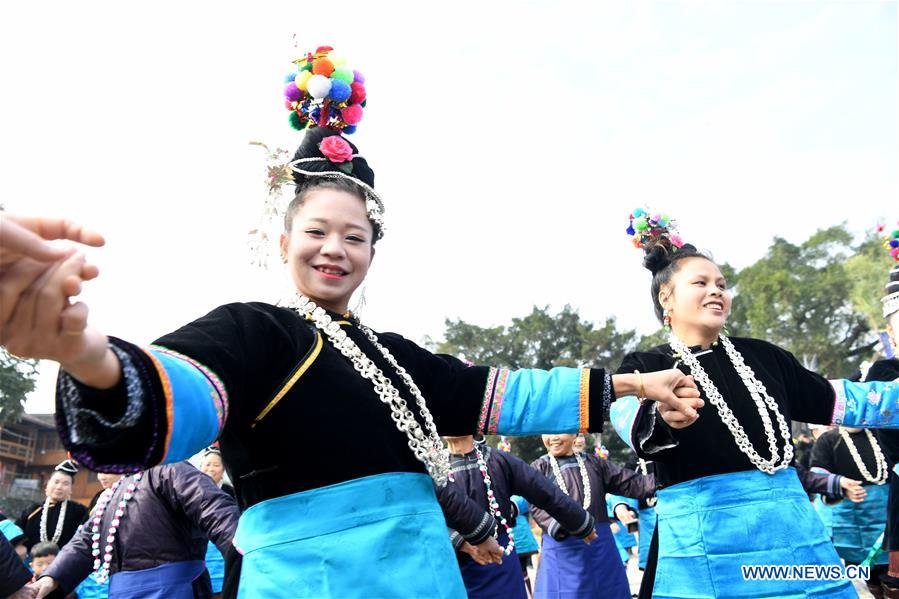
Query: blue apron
x,y
168,581
571,569
215,564
381,536
91,589
647,528
710,526
856,526
503,581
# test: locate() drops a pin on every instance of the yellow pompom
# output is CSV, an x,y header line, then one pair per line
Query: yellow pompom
x,y
302,79
337,60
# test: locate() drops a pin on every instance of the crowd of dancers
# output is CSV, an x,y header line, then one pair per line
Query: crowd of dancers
x,y
389,511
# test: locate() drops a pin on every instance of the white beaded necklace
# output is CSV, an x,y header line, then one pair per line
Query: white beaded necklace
x,y
101,567
557,472
59,521
650,501
763,402
494,504
427,446
883,470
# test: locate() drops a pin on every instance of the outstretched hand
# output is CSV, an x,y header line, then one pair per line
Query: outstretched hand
x,y
677,396
43,587
39,321
27,236
853,490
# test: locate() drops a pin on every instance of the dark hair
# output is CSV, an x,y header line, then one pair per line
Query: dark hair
x,y
44,549
662,260
312,184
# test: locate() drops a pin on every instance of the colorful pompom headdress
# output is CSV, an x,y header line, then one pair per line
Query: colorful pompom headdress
x,y
325,98
648,229
891,244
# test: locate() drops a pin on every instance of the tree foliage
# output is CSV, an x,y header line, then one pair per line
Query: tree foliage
x,y
16,382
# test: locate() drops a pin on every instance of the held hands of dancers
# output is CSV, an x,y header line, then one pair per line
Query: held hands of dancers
x,y
43,587
43,323
676,393
853,490
488,552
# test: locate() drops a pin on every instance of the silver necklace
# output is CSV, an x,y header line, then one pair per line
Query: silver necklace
x,y
59,522
763,402
557,472
427,446
494,504
883,470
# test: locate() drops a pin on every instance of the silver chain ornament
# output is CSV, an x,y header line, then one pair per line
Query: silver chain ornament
x,y
427,446
763,402
883,470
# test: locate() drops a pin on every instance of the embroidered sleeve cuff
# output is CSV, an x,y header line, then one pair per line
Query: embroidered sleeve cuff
x,y
584,531
556,531
484,529
118,429
456,539
653,434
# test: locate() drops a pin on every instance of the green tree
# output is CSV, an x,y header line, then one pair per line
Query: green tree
x,y
798,296
543,340
16,382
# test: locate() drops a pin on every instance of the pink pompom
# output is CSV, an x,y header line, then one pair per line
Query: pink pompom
x,y
358,94
352,114
676,241
895,253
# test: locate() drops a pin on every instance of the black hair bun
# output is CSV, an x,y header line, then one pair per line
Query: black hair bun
x,y
660,253
309,148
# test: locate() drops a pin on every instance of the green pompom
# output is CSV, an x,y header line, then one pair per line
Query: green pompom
x,y
640,224
896,233
344,74
296,122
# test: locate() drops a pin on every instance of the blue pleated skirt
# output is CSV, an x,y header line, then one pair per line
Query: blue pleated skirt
x,y
857,526
378,537
710,526
571,569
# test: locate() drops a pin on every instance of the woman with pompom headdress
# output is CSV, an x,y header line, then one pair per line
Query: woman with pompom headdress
x,y
359,519
729,495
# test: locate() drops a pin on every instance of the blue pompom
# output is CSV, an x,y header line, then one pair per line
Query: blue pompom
x,y
349,129
894,243
639,212
340,91
290,77
630,230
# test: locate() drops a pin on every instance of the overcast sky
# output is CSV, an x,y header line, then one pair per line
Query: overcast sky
x,y
510,141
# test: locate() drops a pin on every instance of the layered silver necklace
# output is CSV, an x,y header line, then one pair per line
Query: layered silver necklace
x,y
763,402
883,471
59,521
557,472
426,445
